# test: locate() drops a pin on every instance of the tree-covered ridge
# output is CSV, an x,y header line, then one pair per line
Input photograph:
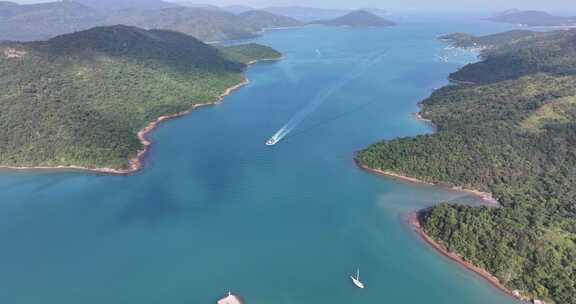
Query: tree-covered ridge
x,y
513,135
246,53
80,99
46,20
359,18
114,5
520,52
533,18
260,20
464,40
204,24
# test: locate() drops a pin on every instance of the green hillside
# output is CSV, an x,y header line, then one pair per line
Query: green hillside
x,y
358,18
246,53
204,24
521,53
463,40
111,5
512,134
533,18
259,20
80,99
46,20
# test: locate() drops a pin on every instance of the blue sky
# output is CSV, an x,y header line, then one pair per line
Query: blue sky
x,y
493,5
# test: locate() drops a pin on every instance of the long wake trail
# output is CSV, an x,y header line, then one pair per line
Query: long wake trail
x,y
319,99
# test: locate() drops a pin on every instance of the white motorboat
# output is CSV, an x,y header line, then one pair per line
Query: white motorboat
x,y
356,280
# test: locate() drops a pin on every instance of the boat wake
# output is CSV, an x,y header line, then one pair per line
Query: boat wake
x,y
321,97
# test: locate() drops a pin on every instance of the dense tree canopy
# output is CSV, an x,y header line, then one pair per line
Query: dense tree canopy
x,y
513,134
80,99
29,22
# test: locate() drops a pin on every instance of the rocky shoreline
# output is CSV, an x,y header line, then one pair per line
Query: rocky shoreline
x,y
414,222
486,197
137,162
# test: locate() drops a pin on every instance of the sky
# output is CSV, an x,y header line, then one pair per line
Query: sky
x,y
437,5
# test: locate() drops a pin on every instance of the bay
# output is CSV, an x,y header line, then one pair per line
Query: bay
x,y
217,210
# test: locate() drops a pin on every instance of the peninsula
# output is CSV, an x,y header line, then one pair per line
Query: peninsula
x,y
508,131
87,100
533,18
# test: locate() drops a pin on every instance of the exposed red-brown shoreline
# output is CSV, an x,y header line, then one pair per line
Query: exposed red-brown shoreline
x,y
415,224
137,162
486,197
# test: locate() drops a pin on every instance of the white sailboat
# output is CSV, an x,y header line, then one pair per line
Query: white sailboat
x,y
356,280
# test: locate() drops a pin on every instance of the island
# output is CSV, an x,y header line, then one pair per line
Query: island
x,y
359,18
532,18
87,100
506,129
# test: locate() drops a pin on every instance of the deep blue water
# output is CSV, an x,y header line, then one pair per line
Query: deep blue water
x,y
215,209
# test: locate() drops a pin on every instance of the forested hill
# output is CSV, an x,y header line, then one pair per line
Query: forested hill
x,y
46,20
260,20
533,18
360,18
515,54
80,99
112,5
513,134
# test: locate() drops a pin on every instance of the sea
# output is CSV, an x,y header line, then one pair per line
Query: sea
x,y
216,210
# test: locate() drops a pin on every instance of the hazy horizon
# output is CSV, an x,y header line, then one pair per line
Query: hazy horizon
x,y
399,5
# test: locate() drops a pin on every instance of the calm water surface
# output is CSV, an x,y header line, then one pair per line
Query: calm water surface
x,y
216,209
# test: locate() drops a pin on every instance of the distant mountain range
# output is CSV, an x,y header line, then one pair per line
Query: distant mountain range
x,y
313,14
302,13
46,20
204,21
197,5
532,18
237,9
262,20
204,24
306,13
358,18
124,4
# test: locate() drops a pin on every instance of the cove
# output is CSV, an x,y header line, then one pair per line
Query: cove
x,y
217,210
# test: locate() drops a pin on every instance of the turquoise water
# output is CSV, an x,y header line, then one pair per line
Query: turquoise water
x,y
216,209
